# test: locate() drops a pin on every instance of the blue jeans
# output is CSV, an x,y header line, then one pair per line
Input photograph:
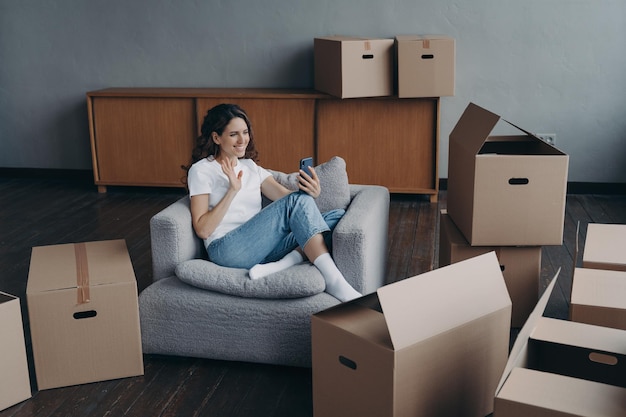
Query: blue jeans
x,y
275,231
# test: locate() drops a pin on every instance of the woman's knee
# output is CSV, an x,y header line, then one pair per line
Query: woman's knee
x,y
302,199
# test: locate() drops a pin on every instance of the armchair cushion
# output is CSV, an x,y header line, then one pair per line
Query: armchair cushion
x,y
333,177
301,280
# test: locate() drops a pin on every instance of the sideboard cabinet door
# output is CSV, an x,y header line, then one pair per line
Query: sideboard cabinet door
x,y
387,141
141,141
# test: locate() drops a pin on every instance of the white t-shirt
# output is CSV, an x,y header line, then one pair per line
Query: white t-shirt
x,y
206,177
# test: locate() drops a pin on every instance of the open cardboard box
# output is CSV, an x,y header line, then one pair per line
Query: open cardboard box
x,y
349,67
562,368
431,345
505,190
520,265
84,315
14,378
604,247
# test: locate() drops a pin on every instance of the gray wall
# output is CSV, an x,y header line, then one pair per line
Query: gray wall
x,y
551,66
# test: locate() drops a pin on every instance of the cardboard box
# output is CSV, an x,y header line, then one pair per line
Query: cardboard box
x,y
426,65
348,67
562,368
14,378
84,316
599,297
520,265
431,345
504,190
604,247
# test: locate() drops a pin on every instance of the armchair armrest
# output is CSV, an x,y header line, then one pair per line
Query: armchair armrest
x,y
360,238
173,239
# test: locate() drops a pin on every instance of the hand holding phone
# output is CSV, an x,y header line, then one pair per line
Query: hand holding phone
x,y
309,183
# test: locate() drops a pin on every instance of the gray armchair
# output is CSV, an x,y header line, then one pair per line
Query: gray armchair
x,y
185,320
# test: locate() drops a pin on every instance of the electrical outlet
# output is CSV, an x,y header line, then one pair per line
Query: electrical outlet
x,y
548,137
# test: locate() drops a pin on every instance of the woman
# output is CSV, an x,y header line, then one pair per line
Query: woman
x,y
225,186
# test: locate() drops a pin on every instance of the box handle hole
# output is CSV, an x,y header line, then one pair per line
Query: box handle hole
x,y
368,56
603,358
502,268
347,362
518,181
85,314
428,56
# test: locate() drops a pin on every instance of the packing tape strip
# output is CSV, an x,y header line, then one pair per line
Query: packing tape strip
x,y
82,273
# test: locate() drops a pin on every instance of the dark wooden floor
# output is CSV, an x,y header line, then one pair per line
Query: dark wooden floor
x,y
36,212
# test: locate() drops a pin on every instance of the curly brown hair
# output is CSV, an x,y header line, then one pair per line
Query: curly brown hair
x,y
216,120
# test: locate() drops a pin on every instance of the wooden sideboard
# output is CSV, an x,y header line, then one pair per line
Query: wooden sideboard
x,y
142,136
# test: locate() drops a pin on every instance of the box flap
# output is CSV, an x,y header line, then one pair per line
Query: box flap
x,y
63,266
532,135
358,318
473,128
519,353
414,309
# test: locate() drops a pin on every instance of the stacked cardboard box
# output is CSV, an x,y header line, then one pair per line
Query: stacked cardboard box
x,y
432,345
505,193
426,65
599,287
348,67
563,368
411,66
14,379
84,316
520,265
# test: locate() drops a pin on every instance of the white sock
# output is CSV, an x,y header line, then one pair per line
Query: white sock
x,y
336,284
262,270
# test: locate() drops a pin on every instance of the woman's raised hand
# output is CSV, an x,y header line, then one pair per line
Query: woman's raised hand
x,y
228,166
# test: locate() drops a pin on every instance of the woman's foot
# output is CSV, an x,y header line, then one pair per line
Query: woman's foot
x,y
336,284
262,270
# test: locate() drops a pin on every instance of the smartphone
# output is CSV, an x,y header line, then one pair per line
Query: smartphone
x,y
305,163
